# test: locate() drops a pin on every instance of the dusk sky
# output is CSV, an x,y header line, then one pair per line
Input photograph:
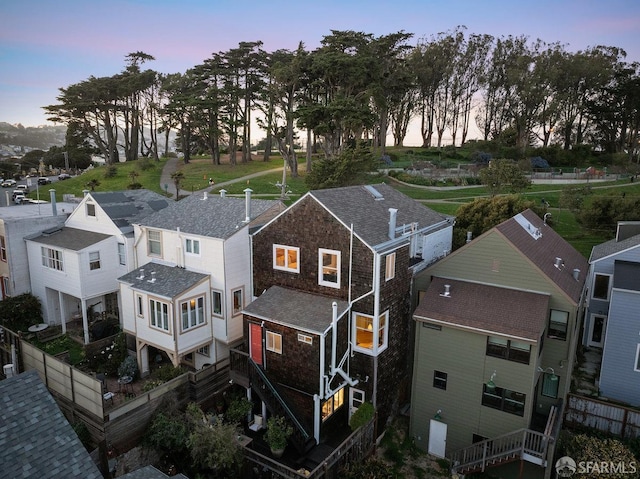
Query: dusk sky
x,y
46,45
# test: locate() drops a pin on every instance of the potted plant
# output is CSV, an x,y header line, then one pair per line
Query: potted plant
x,y
278,431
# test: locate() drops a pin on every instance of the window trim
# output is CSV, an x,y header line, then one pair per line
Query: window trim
x,y
139,306
559,337
637,363
91,208
440,380
332,404
503,400
510,352
286,266
236,311
195,244
271,342
593,286
53,259
376,346
194,318
3,249
122,254
154,318
305,338
337,254
154,241
204,350
390,266
214,293
94,263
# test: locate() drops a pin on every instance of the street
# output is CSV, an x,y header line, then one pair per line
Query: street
x,y
32,184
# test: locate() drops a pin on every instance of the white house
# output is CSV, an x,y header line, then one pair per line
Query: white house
x,y
185,298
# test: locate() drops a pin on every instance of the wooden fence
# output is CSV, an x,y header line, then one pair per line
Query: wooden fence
x,y
606,417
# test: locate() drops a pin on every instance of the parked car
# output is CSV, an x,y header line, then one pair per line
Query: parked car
x,y
43,180
8,183
63,176
19,198
22,187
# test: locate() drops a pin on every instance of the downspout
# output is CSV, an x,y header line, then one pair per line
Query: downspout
x,y
143,232
334,347
376,326
180,259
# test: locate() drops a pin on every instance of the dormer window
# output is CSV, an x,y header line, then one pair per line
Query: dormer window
x,y
329,268
91,209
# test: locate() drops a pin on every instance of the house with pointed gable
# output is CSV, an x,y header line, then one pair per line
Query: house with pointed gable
x,y
612,322
497,326
185,297
74,267
329,326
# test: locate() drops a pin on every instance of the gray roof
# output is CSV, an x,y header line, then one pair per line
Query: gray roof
x,y
297,309
150,472
207,215
612,247
367,209
68,238
129,206
19,212
35,438
626,275
543,249
486,309
170,281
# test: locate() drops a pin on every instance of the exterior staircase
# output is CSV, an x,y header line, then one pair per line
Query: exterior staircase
x,y
525,444
247,373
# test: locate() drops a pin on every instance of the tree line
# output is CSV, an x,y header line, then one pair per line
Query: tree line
x,y
356,86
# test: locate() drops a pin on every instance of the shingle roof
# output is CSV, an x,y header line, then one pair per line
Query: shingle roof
x,y
300,310
542,250
369,214
35,438
150,472
170,281
489,309
129,206
69,238
626,275
207,215
612,247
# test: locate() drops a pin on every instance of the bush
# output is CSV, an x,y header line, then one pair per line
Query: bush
x,y
128,367
108,358
238,409
134,186
167,373
480,157
111,171
362,416
539,163
19,312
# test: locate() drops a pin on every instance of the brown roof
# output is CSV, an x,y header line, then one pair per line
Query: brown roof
x,y
491,309
543,251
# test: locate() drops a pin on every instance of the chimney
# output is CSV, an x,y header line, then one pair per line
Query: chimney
x,y
223,193
85,193
141,274
52,195
469,236
393,214
576,274
247,205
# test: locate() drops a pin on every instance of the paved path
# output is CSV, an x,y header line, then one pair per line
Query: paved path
x,y
172,165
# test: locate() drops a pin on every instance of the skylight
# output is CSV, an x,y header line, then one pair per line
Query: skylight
x,y
528,227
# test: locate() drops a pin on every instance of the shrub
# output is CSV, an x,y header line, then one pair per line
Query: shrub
x,y
539,163
128,367
362,416
19,312
238,409
278,431
134,186
480,157
82,431
167,373
111,171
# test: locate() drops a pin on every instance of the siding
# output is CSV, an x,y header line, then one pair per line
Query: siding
x,y
618,380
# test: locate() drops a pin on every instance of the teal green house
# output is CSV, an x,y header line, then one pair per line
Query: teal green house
x,y
496,328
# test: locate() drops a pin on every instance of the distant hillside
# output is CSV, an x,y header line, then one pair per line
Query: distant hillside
x,y
16,140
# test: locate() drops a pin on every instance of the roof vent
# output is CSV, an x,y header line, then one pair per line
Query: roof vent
x,y
375,193
469,236
447,291
576,274
558,263
141,276
153,277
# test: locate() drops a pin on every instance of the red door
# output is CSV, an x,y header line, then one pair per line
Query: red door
x,y
255,342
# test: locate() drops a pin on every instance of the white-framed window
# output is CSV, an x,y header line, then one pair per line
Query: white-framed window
x,y
192,312
139,306
329,268
3,249
52,258
601,286
122,254
305,338
204,351
637,363
558,321
159,313
286,258
550,385
154,243
390,267
91,209
274,342
367,338
94,260
238,303
216,303
192,246
5,287
332,404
